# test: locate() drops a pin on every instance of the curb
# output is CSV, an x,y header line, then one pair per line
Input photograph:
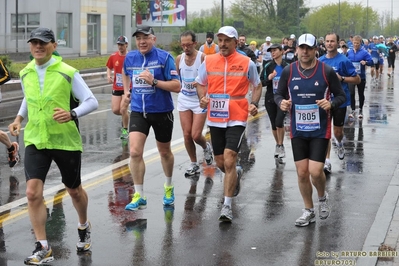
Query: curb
x,y
387,218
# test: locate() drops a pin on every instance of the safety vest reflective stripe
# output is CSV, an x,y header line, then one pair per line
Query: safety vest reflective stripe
x,y
232,74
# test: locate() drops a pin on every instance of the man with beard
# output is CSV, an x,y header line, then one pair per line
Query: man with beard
x,y
209,47
242,45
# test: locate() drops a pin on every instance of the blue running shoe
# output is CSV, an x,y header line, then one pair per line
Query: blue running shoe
x,y
138,203
169,197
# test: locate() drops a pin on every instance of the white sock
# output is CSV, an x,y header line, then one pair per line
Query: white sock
x,y
85,225
323,198
139,189
44,243
168,181
227,201
327,161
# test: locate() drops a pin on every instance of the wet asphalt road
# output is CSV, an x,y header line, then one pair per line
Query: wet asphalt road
x,y
262,232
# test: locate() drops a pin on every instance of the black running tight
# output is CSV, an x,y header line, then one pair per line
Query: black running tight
x,y
360,90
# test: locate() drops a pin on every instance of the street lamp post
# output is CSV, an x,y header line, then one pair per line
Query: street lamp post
x,y
161,3
367,20
16,25
222,13
297,16
391,16
339,17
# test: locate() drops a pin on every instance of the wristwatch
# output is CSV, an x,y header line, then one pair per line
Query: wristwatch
x,y
154,82
254,103
342,79
73,115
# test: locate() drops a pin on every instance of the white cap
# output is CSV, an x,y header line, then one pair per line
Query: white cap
x,y
307,39
229,31
268,39
381,37
292,36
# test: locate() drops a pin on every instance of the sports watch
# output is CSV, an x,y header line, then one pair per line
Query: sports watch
x,y
73,115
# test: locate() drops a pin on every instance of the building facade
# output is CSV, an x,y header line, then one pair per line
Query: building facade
x,y
81,27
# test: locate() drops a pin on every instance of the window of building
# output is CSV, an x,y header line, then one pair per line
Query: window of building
x,y
63,34
119,26
26,23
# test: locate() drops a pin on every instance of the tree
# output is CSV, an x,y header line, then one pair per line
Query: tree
x,y
139,5
269,17
289,15
344,19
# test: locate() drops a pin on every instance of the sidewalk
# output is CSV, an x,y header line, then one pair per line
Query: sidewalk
x,y
384,233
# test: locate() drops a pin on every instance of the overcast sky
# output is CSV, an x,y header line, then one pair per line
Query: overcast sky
x,y
380,6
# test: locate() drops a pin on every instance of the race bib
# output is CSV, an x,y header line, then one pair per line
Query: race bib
x,y
118,80
375,60
219,106
139,85
357,66
188,88
307,117
275,84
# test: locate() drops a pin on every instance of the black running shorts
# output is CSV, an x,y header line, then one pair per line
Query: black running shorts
x,y
37,164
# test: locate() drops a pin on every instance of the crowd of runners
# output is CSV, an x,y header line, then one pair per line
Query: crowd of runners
x,y
310,81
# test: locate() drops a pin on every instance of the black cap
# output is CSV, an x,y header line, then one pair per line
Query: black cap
x,y
43,34
274,46
121,40
147,30
210,35
344,45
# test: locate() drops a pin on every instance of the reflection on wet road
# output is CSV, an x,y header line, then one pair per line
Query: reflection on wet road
x,y
262,232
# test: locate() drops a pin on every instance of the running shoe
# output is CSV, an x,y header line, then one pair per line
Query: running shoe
x,y
124,133
251,157
307,218
84,243
238,185
352,115
327,168
226,215
389,75
169,196
324,208
193,170
341,151
137,203
13,157
360,116
208,154
40,255
277,151
281,151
